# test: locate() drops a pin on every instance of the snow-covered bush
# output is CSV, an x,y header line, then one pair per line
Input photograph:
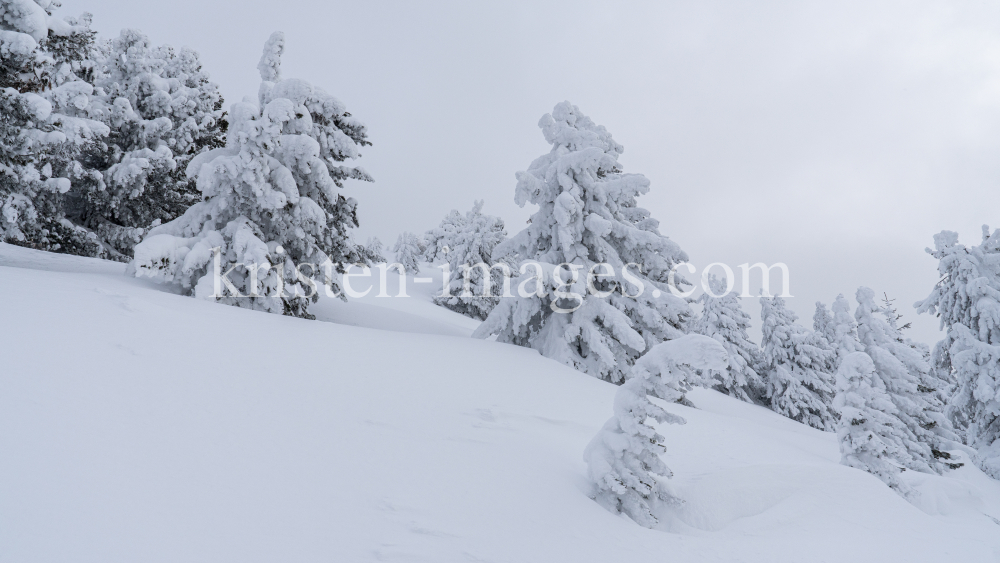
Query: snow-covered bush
x,y
723,319
868,430
270,202
409,248
967,300
623,459
797,367
40,145
470,239
588,215
906,378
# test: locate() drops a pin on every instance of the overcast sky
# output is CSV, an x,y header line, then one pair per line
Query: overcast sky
x,y
836,137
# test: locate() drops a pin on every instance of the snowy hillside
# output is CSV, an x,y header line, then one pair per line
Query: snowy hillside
x,y
138,425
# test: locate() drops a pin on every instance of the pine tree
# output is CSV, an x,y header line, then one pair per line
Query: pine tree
x,y
797,366
271,204
868,430
409,248
967,300
906,379
588,215
40,143
470,239
623,458
723,319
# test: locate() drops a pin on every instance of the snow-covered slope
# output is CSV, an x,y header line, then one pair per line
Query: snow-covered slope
x,y
137,425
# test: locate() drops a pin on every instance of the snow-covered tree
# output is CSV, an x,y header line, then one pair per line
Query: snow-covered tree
x,y
868,429
162,110
40,143
158,110
470,240
588,215
823,322
270,202
797,367
373,250
723,319
905,375
844,339
967,300
623,459
409,248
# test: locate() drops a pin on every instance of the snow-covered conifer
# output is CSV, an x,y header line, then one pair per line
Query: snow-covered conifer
x,y
470,239
905,375
270,202
373,250
162,110
409,248
967,300
823,322
723,319
40,144
845,329
868,430
797,367
588,215
623,459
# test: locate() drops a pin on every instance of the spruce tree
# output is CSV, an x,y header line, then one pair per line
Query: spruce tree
x,y
373,250
588,215
270,205
409,248
623,459
967,300
470,240
797,367
823,322
723,319
906,378
868,430
40,141
162,110
845,330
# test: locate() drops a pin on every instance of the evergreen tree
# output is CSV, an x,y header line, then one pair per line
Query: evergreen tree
x,y
845,330
797,366
967,300
162,110
158,110
906,378
823,322
723,319
470,239
623,459
270,202
409,248
588,215
374,251
40,143
868,430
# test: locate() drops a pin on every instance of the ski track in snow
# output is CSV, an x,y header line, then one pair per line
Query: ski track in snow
x,y
138,425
